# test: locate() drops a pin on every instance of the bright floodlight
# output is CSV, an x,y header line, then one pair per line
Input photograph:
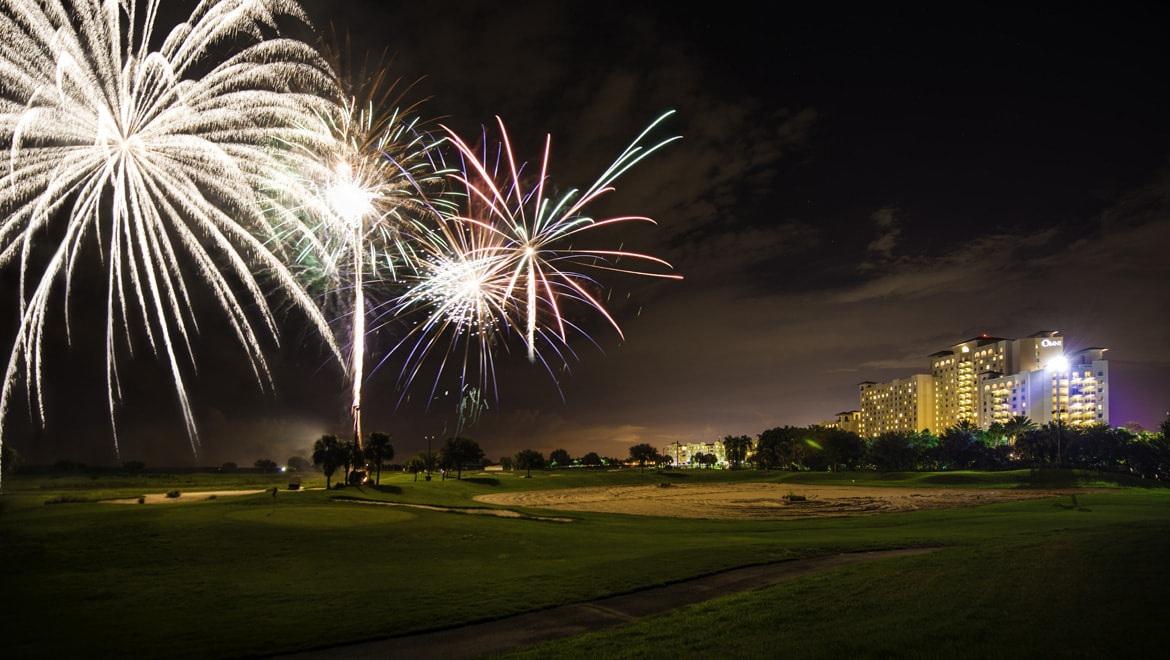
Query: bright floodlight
x,y
1058,364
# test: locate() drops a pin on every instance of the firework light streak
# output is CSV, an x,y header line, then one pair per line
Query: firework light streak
x,y
124,149
359,190
506,263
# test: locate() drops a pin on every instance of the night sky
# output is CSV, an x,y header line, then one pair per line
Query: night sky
x,y
852,193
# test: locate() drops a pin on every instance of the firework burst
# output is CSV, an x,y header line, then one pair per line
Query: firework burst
x,y
506,262
342,218
149,157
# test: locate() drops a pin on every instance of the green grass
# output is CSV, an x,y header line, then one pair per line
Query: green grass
x,y
1073,595
256,575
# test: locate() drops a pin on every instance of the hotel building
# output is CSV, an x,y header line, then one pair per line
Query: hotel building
x,y
985,380
904,404
850,420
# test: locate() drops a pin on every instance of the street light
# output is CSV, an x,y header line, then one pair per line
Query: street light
x,y
430,459
1058,365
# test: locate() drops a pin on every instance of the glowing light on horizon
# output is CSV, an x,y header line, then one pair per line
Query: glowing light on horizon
x,y
151,158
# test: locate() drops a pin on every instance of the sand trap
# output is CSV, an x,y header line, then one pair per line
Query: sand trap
x,y
761,501
161,498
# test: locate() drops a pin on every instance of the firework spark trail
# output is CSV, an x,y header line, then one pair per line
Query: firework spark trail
x,y
121,147
341,217
504,264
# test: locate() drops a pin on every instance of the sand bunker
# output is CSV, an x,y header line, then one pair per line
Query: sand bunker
x,y
161,498
760,501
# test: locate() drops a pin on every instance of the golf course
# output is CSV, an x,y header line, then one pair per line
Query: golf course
x,y
1052,563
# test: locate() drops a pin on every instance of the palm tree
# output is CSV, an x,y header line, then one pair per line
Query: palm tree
x,y
378,452
329,454
1017,426
735,448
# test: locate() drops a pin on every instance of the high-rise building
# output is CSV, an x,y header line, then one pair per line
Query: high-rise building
x,y
1075,392
956,373
903,404
985,380
1014,390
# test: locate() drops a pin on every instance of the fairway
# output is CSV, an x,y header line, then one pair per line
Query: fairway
x,y
254,575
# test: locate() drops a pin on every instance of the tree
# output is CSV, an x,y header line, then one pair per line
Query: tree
x,y
1039,446
735,448
459,451
591,459
843,449
1098,446
63,465
228,467
415,465
780,448
354,459
1017,426
9,459
1149,454
297,463
527,459
768,453
506,463
559,458
378,452
959,446
329,454
643,454
892,451
265,465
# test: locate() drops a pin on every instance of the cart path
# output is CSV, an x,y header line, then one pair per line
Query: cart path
x,y
524,630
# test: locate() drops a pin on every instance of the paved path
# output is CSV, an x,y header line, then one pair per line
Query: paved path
x,y
524,630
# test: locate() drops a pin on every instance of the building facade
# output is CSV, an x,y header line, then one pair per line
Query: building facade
x,y
987,380
850,420
903,404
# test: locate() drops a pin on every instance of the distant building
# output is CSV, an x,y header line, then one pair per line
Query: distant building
x,y
1078,395
955,374
683,453
985,380
903,404
849,420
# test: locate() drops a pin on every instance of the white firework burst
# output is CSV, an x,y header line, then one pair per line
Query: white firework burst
x,y
150,155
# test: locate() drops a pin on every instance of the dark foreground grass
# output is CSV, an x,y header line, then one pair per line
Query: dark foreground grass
x,y
255,575
1072,593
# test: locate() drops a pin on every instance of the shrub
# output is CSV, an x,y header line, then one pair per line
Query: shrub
x,y
134,466
173,493
67,499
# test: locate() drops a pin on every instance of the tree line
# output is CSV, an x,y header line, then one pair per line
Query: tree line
x,y
1018,444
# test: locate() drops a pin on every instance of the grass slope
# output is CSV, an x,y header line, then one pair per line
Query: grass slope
x,y
256,575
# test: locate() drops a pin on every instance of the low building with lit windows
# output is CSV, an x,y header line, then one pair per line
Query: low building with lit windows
x,y
850,420
683,453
